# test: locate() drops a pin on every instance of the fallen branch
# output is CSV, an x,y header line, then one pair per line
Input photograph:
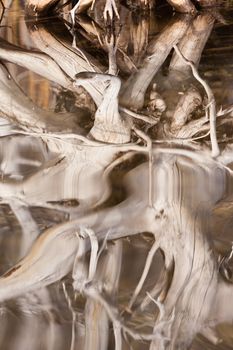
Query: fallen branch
x,y
211,103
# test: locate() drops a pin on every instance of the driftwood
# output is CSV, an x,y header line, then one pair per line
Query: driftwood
x,y
37,7
17,107
151,219
110,9
133,92
109,126
168,192
193,42
35,61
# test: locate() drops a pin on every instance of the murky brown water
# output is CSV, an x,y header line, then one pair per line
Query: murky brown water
x,y
104,181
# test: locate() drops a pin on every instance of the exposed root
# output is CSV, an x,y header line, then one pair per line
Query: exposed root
x,y
141,282
211,104
156,103
2,10
159,305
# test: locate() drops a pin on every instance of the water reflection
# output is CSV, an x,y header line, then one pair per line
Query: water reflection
x,y
115,182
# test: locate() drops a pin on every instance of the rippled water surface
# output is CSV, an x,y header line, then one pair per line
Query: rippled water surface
x,y
101,174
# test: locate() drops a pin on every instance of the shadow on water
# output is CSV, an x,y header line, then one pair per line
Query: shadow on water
x,y
116,177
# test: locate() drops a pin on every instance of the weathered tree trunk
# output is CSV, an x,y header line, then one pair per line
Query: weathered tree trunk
x,y
133,91
193,43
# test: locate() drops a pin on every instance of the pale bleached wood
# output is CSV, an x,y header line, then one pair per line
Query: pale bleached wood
x,y
193,43
211,109
195,276
30,273
89,29
70,60
185,186
37,62
20,110
109,125
186,105
133,91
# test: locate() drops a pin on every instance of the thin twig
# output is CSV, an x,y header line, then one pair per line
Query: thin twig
x,y
211,103
74,45
93,293
124,147
148,263
159,305
103,245
181,140
149,120
224,111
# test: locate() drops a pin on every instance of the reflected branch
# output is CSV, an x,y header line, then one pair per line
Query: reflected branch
x,y
167,180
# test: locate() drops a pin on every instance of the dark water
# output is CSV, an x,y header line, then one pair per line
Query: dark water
x,y
46,182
